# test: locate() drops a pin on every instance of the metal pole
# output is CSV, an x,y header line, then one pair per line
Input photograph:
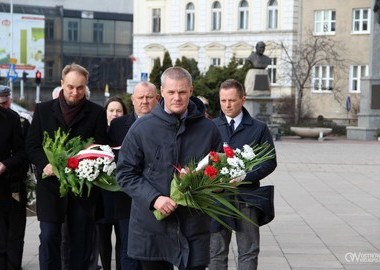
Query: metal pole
x,y
38,94
22,89
11,43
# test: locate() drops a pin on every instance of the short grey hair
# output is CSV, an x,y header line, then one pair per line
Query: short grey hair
x,y
176,73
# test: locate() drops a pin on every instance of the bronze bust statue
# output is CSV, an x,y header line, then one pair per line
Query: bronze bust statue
x,y
257,59
376,9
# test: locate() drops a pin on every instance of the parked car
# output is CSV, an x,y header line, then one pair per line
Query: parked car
x,y
22,111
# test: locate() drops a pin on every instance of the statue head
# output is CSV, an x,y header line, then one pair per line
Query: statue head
x,y
260,47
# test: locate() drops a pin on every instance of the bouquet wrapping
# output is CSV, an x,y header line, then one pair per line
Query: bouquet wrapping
x,y
78,163
208,185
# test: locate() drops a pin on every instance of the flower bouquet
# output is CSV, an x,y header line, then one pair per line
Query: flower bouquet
x,y
208,185
79,163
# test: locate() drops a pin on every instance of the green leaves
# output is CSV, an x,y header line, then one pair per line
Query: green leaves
x,y
58,150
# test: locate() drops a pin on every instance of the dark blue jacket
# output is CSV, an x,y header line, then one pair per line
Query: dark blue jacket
x,y
154,145
249,131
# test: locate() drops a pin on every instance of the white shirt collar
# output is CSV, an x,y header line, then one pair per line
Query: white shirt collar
x,y
237,119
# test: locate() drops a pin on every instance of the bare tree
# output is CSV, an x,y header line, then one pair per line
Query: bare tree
x,y
300,60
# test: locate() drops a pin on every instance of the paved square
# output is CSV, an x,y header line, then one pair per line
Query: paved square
x,y
327,199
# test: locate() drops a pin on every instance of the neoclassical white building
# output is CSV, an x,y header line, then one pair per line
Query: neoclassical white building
x,y
211,32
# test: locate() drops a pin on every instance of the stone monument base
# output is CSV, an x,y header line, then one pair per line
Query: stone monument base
x,y
369,116
257,83
260,108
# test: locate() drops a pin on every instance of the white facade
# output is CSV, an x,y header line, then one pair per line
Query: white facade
x,y
205,45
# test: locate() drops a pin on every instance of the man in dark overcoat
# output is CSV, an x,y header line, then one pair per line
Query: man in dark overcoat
x,y
12,160
175,133
73,113
144,99
238,128
17,214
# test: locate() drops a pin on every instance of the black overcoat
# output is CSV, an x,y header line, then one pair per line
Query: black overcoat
x,y
12,151
90,122
116,133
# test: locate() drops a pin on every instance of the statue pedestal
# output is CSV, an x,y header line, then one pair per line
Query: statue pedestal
x,y
257,83
369,116
260,108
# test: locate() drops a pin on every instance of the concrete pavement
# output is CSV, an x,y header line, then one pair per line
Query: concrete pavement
x,y
327,200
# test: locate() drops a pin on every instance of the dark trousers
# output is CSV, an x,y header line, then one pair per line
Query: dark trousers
x,y
65,250
105,244
162,265
127,263
16,233
81,230
12,232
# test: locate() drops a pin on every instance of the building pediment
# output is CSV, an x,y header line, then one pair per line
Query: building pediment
x,y
154,48
188,47
242,46
215,46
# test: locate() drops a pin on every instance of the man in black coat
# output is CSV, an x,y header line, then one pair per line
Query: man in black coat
x,y
12,160
17,214
144,99
238,128
72,112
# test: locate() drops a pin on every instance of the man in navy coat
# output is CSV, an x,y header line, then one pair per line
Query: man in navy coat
x,y
238,128
72,112
144,99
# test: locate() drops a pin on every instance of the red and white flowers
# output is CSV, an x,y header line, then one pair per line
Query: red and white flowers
x,y
88,164
76,167
199,185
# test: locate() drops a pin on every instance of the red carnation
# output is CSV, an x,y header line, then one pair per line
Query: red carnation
x,y
214,157
73,163
211,171
228,151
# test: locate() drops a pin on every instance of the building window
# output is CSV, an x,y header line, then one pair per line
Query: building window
x,y
243,15
214,61
49,29
156,20
356,74
98,33
272,14
216,16
241,61
72,29
324,22
190,17
322,80
272,71
49,70
360,20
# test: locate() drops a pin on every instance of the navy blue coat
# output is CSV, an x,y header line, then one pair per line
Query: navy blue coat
x,y
154,145
249,131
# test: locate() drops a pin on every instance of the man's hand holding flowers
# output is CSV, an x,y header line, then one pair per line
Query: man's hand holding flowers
x,y
200,186
165,205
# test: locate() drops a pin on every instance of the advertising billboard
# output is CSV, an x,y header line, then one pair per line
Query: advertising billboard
x,y
26,50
